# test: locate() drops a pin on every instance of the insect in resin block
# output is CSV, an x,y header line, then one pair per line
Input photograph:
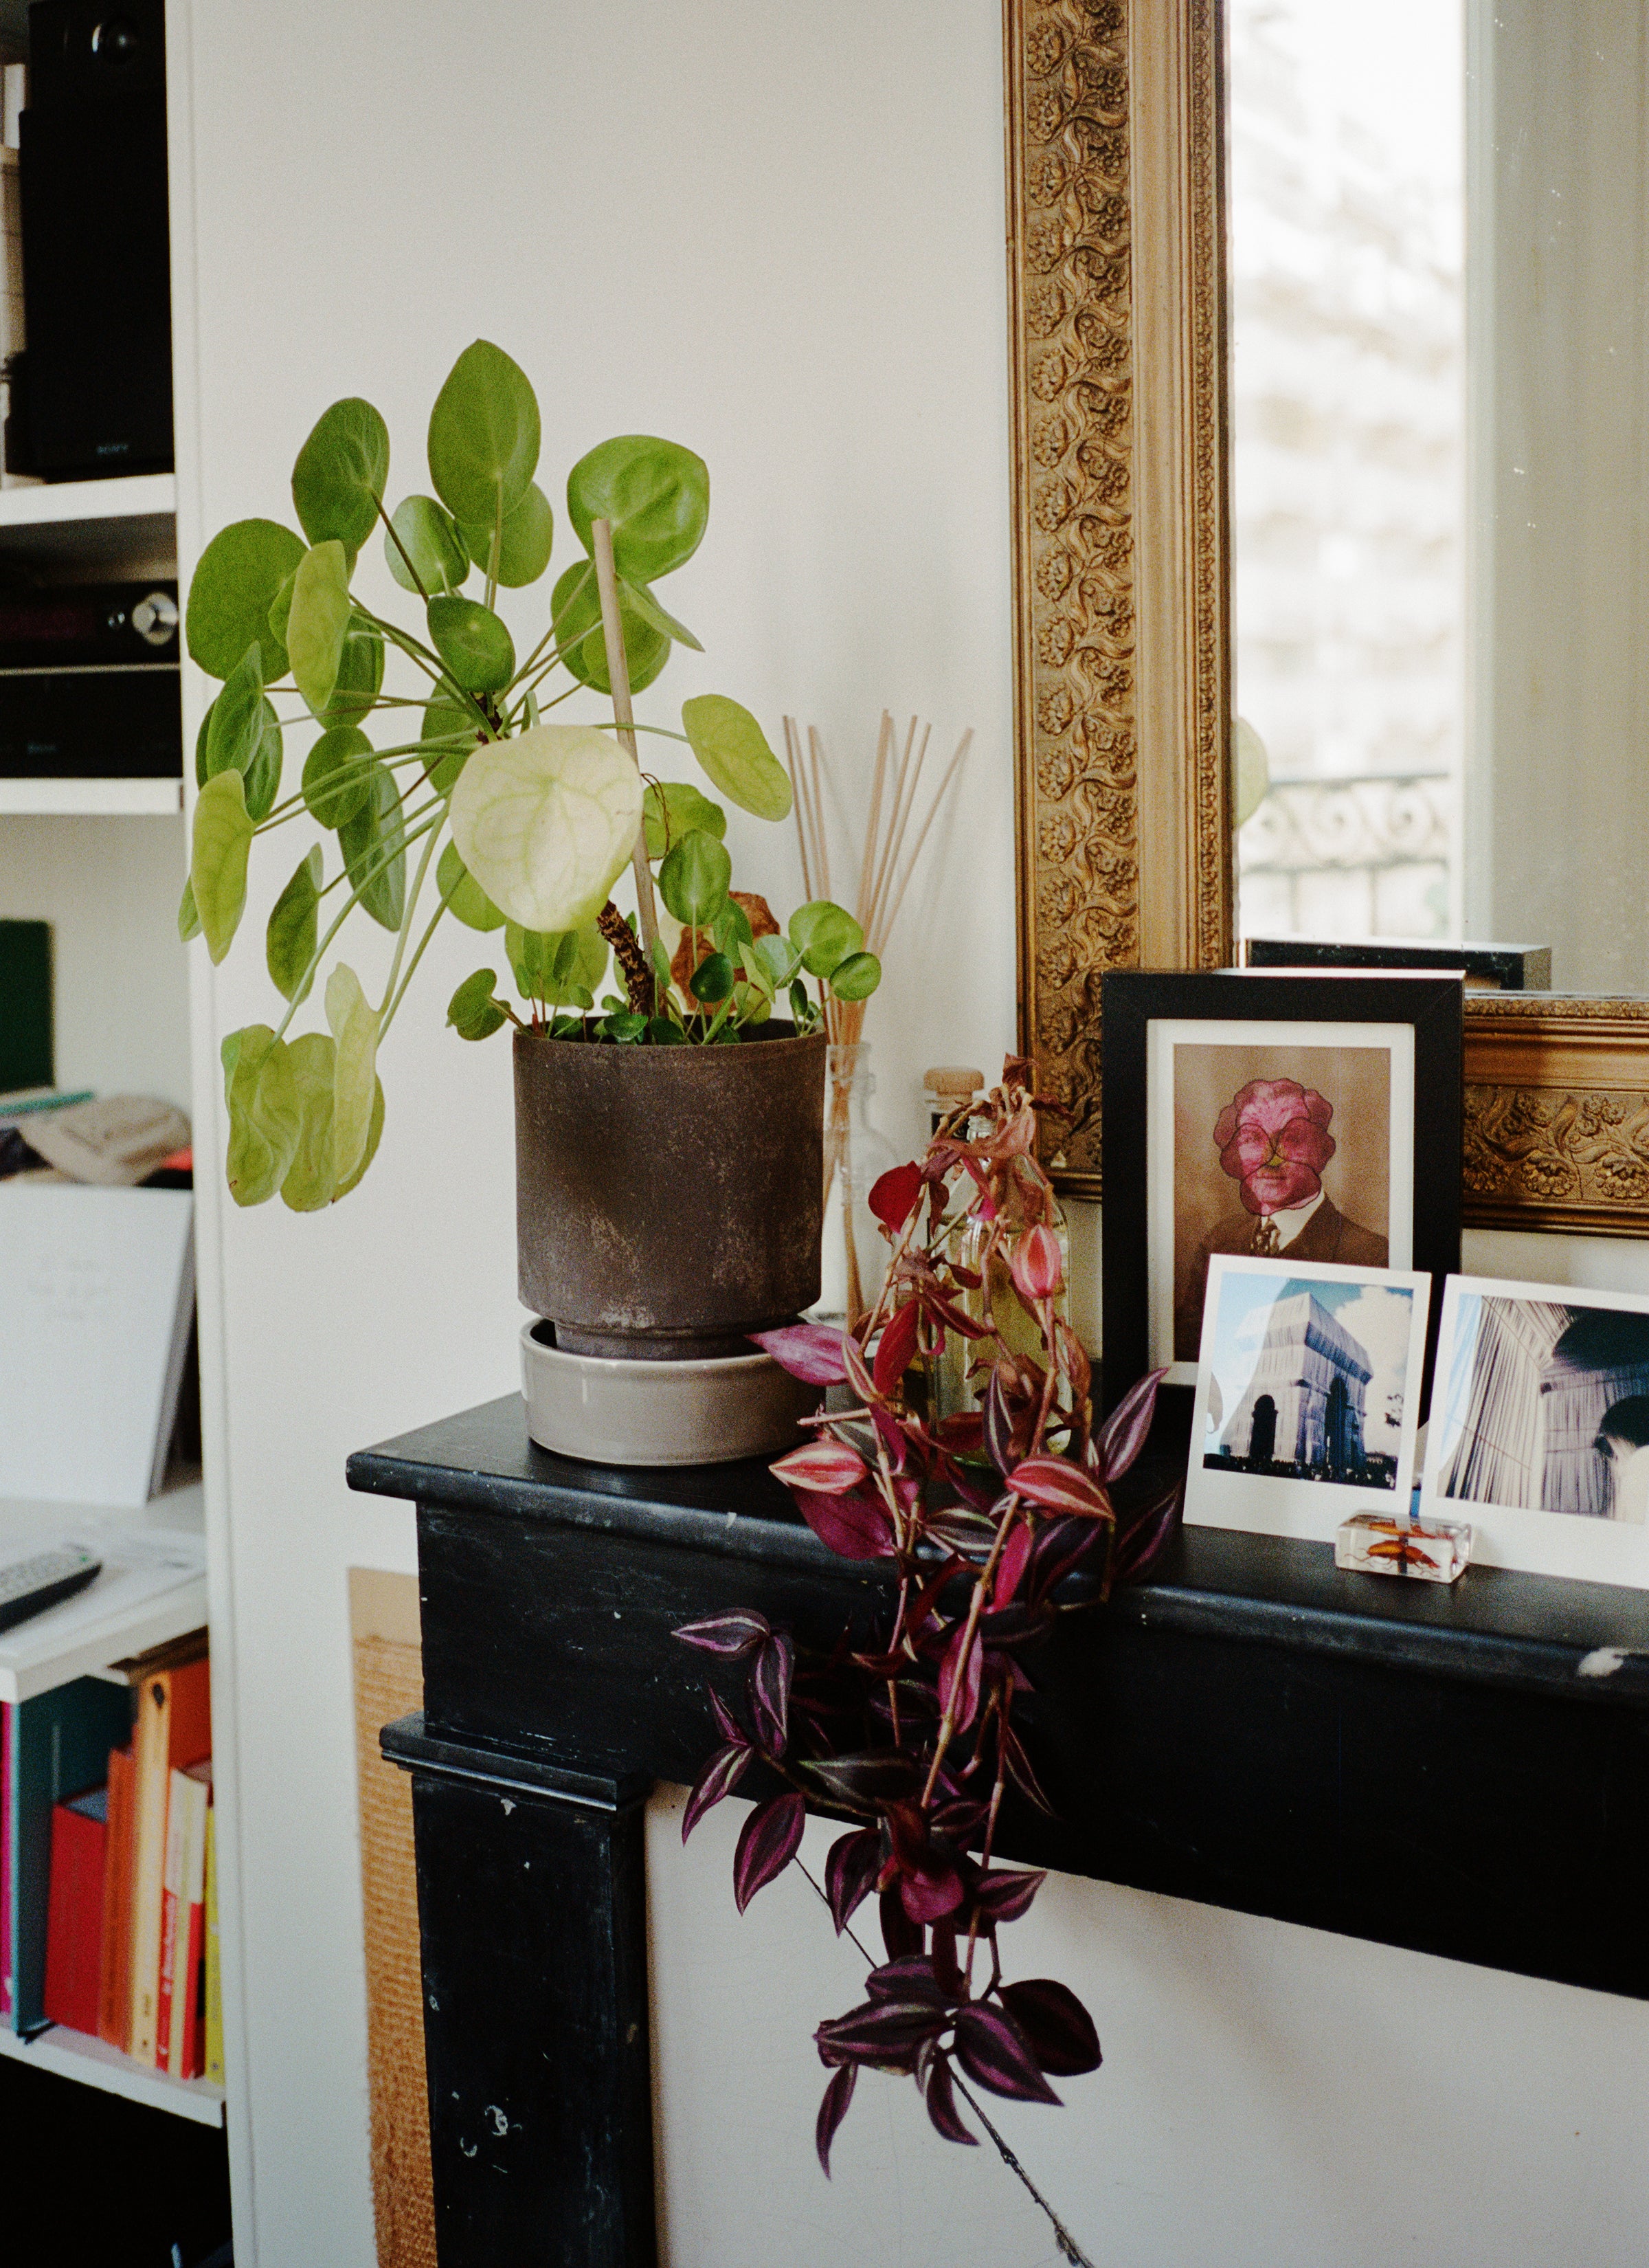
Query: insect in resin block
x,y
1433,1551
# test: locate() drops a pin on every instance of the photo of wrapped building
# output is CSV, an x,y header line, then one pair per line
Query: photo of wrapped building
x,y
1547,1406
1304,1412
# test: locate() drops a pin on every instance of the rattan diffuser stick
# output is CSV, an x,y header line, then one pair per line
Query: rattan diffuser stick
x,y
884,877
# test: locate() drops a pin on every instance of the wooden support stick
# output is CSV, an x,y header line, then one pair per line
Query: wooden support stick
x,y
876,926
951,769
792,759
618,675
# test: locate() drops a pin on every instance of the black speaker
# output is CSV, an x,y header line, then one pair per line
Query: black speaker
x,y
96,380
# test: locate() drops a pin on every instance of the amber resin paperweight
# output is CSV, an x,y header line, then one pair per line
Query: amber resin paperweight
x,y
1432,1550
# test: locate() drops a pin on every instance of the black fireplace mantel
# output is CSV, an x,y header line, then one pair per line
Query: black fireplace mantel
x,y
1460,1770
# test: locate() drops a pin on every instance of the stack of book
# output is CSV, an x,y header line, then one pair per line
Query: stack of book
x,y
109,1891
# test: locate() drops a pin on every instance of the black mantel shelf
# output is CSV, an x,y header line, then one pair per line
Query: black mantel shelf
x,y
1462,1771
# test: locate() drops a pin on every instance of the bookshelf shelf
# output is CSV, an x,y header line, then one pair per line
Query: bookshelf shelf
x,y
74,2055
90,798
75,1639
137,496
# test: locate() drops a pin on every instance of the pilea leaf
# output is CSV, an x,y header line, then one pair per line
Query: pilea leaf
x,y
221,839
340,475
289,939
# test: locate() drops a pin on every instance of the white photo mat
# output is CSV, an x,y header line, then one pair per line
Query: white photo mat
x,y
1264,1504
1165,1034
1539,1542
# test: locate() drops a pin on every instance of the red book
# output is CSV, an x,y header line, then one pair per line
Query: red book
x,y
74,1913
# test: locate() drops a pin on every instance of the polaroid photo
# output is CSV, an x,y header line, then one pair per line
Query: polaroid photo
x,y
1540,1427
1307,1393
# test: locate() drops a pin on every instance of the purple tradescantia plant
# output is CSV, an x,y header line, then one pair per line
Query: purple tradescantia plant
x,y
982,1517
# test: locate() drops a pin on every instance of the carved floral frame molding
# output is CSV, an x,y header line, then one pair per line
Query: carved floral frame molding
x,y
1116,325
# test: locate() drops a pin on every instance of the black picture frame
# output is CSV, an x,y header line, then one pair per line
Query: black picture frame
x,y
1132,1000
1489,967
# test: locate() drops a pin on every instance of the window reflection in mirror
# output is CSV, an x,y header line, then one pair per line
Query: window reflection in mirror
x,y
1348,405
1440,406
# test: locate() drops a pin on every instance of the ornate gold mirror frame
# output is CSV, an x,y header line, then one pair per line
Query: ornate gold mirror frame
x,y
1116,327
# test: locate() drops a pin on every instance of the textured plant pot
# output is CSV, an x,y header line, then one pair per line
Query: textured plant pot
x,y
668,1200
707,1412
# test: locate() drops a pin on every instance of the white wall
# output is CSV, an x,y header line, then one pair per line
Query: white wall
x,y
774,233
109,888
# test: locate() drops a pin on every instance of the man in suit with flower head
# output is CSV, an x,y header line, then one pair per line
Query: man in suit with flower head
x,y
1274,1141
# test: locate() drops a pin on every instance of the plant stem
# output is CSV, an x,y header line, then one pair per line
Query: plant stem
x,y
1062,2237
406,556
618,678
566,605
406,920
975,1609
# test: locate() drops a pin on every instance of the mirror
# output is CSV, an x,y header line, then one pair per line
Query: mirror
x,y
1439,247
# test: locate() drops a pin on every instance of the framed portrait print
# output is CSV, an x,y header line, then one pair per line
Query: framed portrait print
x,y
1540,1427
1310,1117
1307,1394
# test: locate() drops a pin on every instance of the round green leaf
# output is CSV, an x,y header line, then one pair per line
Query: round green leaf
x,y
430,538
318,621
364,839
732,748
579,610
188,920
240,732
655,494
527,538
288,945
311,1178
856,977
462,894
374,1129
476,648
235,584
472,1012
693,880
452,729
360,677
670,807
341,473
712,979
825,935
545,822
264,1114
776,958
336,782
354,1029
221,839
483,435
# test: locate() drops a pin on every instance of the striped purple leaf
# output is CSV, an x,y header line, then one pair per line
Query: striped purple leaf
x,y
1058,2027
833,2109
720,1776
992,2050
768,1842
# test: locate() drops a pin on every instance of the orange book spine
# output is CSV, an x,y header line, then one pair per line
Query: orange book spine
x,y
114,1971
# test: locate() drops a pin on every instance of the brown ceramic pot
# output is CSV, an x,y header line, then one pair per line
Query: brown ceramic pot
x,y
669,1200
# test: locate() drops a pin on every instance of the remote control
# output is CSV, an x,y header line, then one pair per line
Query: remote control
x,y
28,1587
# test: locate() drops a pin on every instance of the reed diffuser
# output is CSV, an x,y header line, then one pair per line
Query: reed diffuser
x,y
885,869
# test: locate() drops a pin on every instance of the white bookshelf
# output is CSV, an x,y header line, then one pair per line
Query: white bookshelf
x,y
94,2063
135,495
90,799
